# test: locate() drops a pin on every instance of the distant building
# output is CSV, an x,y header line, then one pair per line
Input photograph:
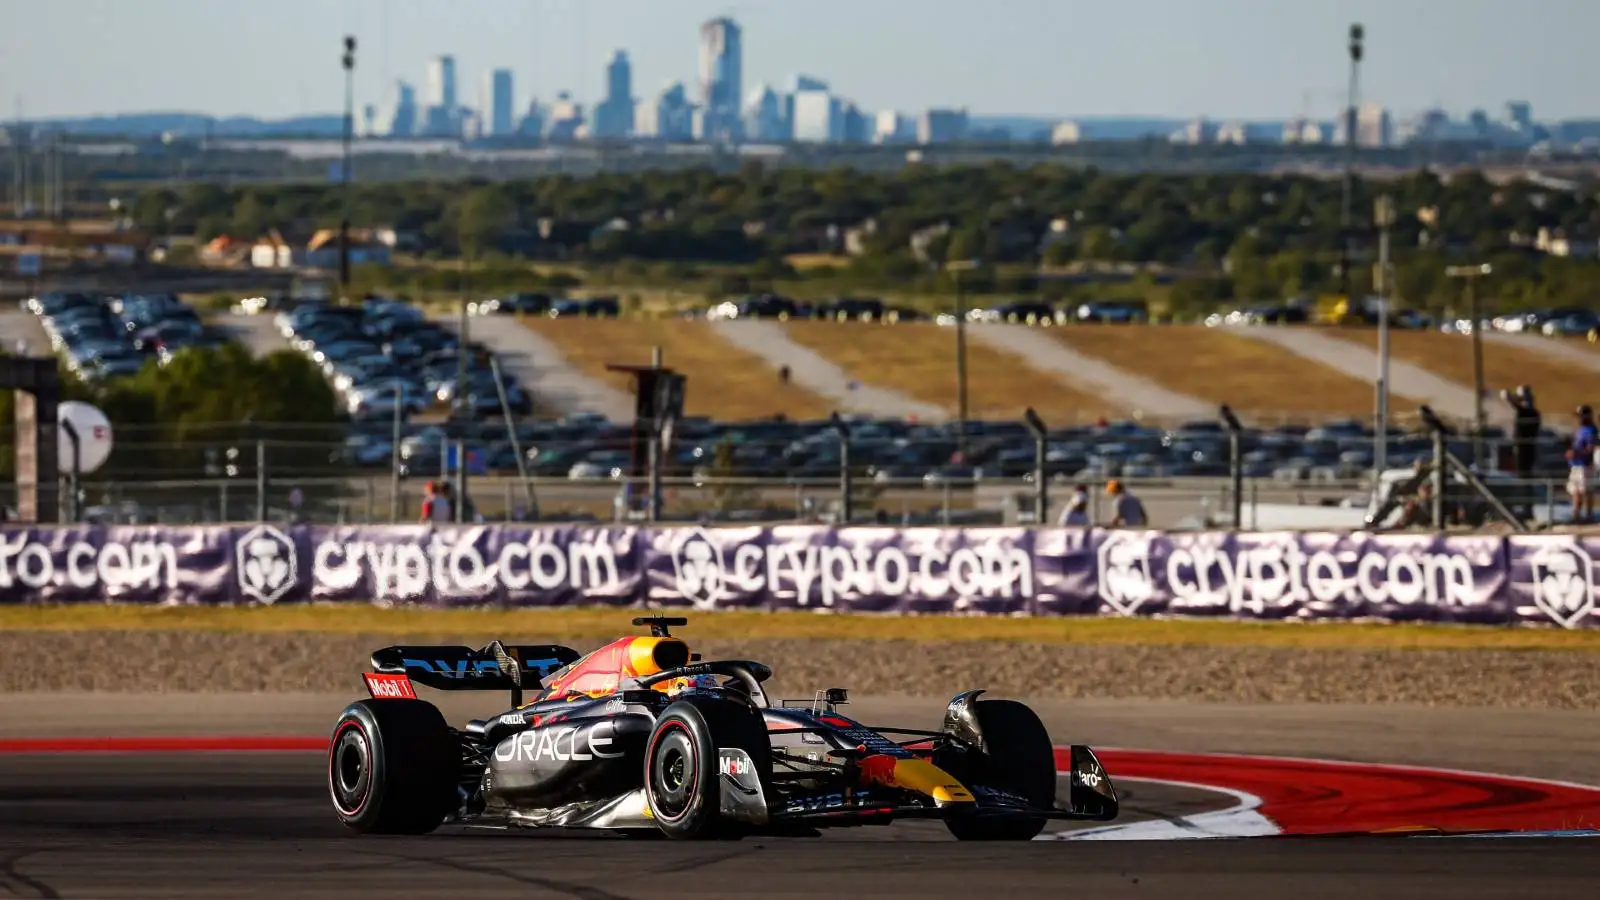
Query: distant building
x,y
721,79
614,116
1233,133
818,117
1066,133
1197,131
366,248
496,104
566,122
1304,131
533,121
890,127
400,120
1374,129
442,82
764,116
853,125
672,115
1520,114
940,126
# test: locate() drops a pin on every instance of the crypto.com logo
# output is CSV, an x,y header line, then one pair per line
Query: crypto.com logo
x,y
1123,573
266,562
1563,583
700,569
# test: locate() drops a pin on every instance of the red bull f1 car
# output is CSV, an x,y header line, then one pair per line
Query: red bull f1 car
x,y
644,736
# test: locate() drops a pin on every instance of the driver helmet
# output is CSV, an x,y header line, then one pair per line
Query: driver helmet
x,y
675,686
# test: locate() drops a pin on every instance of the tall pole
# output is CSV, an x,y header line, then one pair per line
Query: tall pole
x,y
349,61
1479,412
961,367
464,329
1357,36
1385,216
1479,416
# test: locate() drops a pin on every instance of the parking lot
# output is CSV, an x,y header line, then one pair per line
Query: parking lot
x,y
100,337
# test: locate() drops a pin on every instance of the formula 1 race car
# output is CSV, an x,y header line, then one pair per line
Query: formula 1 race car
x,y
643,736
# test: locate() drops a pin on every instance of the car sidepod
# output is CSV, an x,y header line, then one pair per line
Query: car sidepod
x,y
569,761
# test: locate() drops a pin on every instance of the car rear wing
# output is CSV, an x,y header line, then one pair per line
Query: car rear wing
x,y
496,667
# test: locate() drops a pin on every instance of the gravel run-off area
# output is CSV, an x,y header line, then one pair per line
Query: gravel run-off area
x,y
197,661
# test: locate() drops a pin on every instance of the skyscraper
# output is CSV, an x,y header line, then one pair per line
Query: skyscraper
x,y
440,117
818,117
764,115
442,82
721,79
400,120
673,114
495,103
614,116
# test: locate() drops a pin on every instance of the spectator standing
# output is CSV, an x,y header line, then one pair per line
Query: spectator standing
x,y
1076,513
1580,465
1127,510
1525,433
436,505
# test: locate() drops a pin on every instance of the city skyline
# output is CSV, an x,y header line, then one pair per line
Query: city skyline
x,y
1279,64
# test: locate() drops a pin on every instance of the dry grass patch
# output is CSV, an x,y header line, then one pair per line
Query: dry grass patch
x,y
804,262
725,381
1223,366
590,623
1559,386
919,360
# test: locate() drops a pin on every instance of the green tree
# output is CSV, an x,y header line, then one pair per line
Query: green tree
x,y
482,219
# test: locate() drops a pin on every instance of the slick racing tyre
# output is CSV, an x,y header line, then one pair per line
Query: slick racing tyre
x,y
393,767
682,775
1018,758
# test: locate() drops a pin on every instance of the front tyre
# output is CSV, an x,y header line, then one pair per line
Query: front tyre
x,y
1019,759
393,767
682,776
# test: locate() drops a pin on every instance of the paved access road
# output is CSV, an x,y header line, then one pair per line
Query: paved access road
x,y
257,824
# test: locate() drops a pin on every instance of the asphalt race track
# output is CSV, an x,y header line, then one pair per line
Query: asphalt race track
x,y
100,825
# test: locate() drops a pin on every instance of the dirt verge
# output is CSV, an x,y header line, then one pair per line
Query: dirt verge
x,y
200,661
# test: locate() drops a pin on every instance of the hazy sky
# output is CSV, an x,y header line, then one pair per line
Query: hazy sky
x,y
1223,58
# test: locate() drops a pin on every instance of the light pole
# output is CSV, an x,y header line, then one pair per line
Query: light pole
x,y
349,62
1383,216
1471,274
956,268
1357,38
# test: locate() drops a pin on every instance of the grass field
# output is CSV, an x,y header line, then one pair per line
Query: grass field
x,y
1222,366
725,382
919,360
478,626
1558,386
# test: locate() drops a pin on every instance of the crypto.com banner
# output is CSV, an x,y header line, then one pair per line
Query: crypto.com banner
x,y
1016,571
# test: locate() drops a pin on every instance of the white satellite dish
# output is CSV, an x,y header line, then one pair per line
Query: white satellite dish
x,y
94,436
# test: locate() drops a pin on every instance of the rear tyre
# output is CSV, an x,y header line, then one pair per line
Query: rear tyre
x,y
1018,758
682,776
393,767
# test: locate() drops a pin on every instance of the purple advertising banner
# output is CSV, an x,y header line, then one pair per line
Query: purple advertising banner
x,y
1546,580
1281,575
1551,578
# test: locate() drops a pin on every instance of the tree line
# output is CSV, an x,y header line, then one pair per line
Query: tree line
x,y
1223,237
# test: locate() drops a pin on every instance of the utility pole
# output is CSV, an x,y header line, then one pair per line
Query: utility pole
x,y
1383,216
349,63
956,268
1346,234
1471,274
